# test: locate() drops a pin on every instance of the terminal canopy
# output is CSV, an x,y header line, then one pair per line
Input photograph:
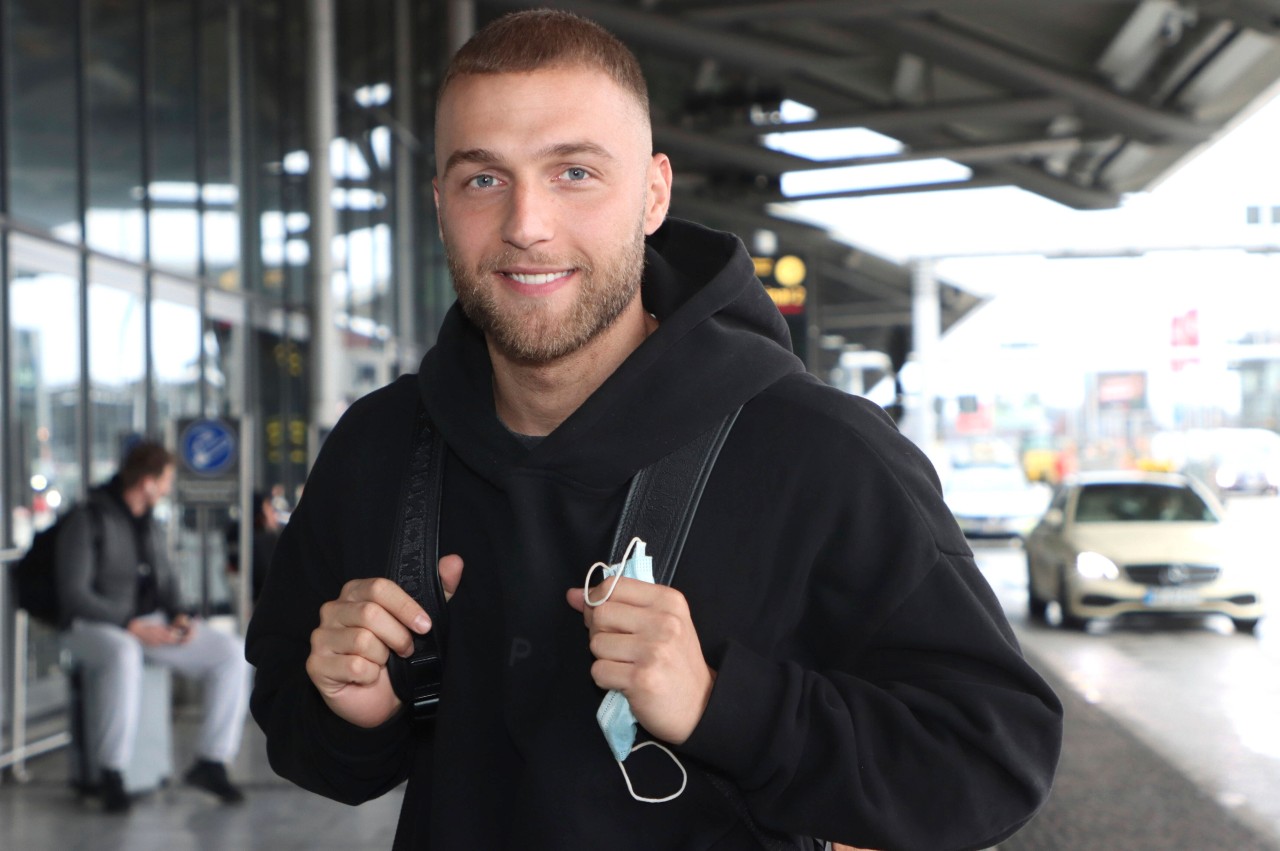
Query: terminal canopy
x,y
1079,101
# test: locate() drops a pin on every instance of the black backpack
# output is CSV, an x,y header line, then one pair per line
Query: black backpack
x,y
35,582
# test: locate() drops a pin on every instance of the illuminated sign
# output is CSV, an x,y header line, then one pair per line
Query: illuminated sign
x,y
783,278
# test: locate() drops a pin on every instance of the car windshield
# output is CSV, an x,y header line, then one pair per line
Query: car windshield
x,y
1144,503
990,478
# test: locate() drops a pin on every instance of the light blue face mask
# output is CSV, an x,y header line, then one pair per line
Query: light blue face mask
x,y
614,716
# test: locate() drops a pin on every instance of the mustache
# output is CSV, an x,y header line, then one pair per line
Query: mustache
x,y
515,257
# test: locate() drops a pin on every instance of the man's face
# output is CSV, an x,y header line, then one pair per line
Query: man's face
x,y
546,189
157,488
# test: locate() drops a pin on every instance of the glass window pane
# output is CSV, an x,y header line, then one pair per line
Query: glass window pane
x,y
175,347
277,162
224,351
39,49
117,375
221,224
44,464
113,97
174,186
43,475
198,536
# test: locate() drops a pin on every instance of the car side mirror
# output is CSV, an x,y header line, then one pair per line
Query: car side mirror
x,y
1054,517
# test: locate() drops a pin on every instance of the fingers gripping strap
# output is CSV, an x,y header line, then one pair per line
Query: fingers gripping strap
x,y
413,566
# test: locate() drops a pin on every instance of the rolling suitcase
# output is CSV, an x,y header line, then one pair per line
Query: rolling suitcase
x,y
151,765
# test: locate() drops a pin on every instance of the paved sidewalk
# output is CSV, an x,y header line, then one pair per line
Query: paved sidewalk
x,y
1113,793
45,813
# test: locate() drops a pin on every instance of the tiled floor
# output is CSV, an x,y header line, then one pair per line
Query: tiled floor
x,y
46,813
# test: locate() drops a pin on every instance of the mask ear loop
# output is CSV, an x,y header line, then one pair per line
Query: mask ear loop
x,y
586,585
586,596
684,775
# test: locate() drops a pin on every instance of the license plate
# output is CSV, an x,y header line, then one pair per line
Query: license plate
x,y
1171,597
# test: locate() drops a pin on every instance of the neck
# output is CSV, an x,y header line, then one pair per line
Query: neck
x,y
534,399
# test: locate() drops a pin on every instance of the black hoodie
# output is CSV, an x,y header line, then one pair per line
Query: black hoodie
x,y
868,690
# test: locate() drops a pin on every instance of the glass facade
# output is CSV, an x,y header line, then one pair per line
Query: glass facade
x,y
155,238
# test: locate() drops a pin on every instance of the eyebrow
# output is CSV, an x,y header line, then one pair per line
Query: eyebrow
x,y
484,156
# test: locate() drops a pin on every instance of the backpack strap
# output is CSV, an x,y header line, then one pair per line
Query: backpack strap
x,y
664,497
659,507
659,510
414,567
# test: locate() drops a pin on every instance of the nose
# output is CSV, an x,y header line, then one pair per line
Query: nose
x,y
529,217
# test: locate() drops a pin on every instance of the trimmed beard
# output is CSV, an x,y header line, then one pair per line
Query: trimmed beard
x,y
532,333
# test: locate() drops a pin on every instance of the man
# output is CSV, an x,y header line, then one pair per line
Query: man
x,y
120,608
829,663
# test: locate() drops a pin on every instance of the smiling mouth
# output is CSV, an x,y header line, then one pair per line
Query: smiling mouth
x,y
538,279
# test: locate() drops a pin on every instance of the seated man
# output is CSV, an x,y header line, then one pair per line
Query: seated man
x,y
119,601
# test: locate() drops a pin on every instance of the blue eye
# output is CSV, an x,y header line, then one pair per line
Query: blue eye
x,y
576,173
484,181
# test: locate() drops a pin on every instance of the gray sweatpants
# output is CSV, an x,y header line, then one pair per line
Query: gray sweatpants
x,y
112,654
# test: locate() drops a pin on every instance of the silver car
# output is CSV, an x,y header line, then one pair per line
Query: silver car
x,y
1117,543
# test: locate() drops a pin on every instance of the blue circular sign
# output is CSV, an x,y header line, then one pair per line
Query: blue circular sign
x,y
209,447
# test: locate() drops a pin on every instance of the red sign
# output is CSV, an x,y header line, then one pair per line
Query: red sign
x,y
1185,337
1122,390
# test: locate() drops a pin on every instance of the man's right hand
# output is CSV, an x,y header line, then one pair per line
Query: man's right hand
x,y
153,633
358,632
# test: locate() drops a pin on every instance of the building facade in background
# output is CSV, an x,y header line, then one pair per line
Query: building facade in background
x,y
158,217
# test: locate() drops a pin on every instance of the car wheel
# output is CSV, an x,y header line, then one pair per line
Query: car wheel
x,y
1248,626
1036,608
1070,620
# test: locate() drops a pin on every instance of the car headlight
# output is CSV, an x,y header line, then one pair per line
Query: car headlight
x,y
1096,566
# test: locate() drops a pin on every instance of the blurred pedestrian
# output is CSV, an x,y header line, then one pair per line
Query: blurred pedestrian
x,y
120,608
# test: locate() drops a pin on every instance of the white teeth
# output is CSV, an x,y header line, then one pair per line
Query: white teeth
x,y
536,280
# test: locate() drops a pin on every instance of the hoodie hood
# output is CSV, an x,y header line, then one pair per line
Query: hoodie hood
x,y
719,342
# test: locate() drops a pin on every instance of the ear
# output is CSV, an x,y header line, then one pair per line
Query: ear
x,y
435,193
658,194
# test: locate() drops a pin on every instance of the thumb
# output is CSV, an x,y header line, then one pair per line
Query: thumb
x,y
450,574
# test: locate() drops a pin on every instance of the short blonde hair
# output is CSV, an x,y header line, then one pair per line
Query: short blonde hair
x,y
535,39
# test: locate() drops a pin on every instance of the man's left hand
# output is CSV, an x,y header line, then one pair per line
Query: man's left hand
x,y
183,628
647,648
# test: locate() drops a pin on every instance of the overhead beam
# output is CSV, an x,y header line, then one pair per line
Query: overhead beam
x,y
767,161
862,283
671,35
1028,109
845,10
972,153
963,53
1054,188
743,219
1260,15
975,182
1030,178
1261,11
985,61
852,317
